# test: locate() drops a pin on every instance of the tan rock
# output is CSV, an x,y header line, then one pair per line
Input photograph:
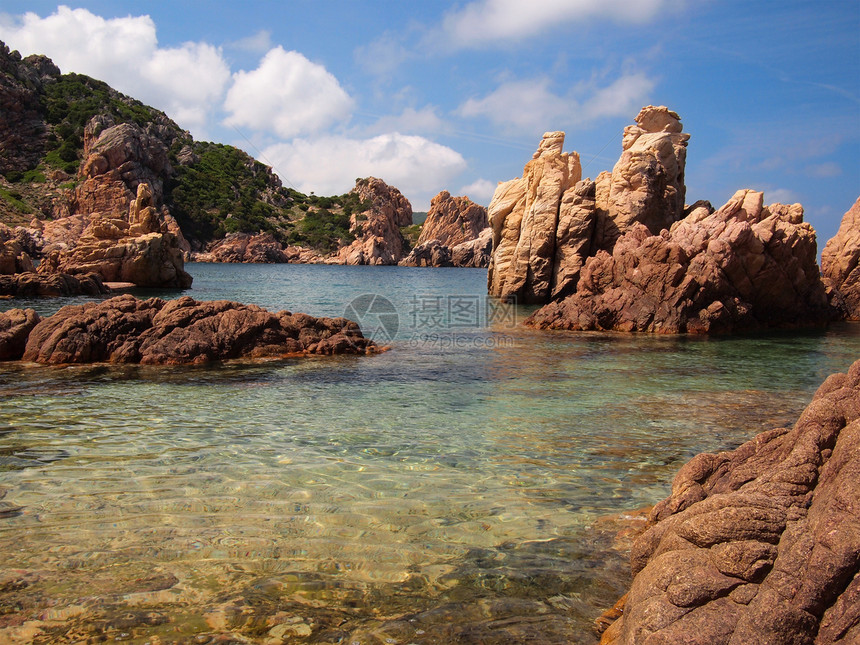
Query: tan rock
x,y
377,228
453,220
840,262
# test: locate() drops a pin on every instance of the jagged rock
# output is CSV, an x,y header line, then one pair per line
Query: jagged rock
x,y
137,249
840,262
474,253
453,220
29,285
127,330
243,247
377,229
14,257
428,254
15,327
743,267
760,545
524,217
303,255
647,183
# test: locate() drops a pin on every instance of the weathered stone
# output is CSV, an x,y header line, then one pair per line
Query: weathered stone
x,y
29,285
127,330
840,262
243,247
428,254
15,327
741,268
14,257
377,228
474,253
453,220
767,550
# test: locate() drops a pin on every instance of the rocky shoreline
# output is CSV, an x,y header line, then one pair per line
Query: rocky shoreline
x,y
125,329
760,544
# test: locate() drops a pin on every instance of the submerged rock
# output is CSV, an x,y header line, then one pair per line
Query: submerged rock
x,y
840,262
125,329
760,544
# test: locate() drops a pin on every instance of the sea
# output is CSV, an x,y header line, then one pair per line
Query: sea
x,y
479,482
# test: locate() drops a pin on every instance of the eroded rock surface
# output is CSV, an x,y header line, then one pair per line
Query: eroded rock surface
x,y
15,327
125,329
740,268
840,262
243,247
760,545
377,229
30,284
453,220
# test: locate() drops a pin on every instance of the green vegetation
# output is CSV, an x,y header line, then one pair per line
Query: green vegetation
x,y
15,200
70,102
411,233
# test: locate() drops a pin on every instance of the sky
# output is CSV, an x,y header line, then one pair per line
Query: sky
x,y
432,95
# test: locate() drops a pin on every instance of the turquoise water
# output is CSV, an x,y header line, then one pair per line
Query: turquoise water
x,y
476,483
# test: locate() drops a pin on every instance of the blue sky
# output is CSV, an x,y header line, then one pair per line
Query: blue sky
x,y
432,95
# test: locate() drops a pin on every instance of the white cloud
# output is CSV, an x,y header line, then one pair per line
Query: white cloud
x,y
330,165
287,95
500,21
531,105
480,191
382,56
184,81
258,43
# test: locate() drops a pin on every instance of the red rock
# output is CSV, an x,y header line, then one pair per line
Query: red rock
x,y
759,545
840,262
29,284
127,330
262,248
741,268
453,220
377,229
15,327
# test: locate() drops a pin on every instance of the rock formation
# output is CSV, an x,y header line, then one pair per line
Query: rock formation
x,y
127,330
137,249
524,215
15,327
377,229
243,247
547,223
31,285
453,220
743,267
452,223
760,545
14,257
840,262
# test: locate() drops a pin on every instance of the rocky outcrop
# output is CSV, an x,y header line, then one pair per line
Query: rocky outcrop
x,y
14,257
127,330
137,249
647,183
15,327
453,220
378,239
304,255
474,254
32,285
243,247
23,131
840,263
760,545
428,254
524,216
547,223
741,268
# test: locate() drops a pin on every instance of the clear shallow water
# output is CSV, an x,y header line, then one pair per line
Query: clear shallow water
x,y
473,484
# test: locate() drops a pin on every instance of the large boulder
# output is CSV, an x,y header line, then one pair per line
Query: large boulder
x,y
14,257
127,330
15,327
453,220
431,253
378,239
760,545
524,216
474,254
30,285
840,262
741,268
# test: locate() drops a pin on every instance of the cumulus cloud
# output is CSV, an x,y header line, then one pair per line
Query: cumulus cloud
x,y
529,105
484,22
287,95
329,165
480,191
183,81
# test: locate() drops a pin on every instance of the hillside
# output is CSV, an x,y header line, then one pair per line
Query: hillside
x,y
48,120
